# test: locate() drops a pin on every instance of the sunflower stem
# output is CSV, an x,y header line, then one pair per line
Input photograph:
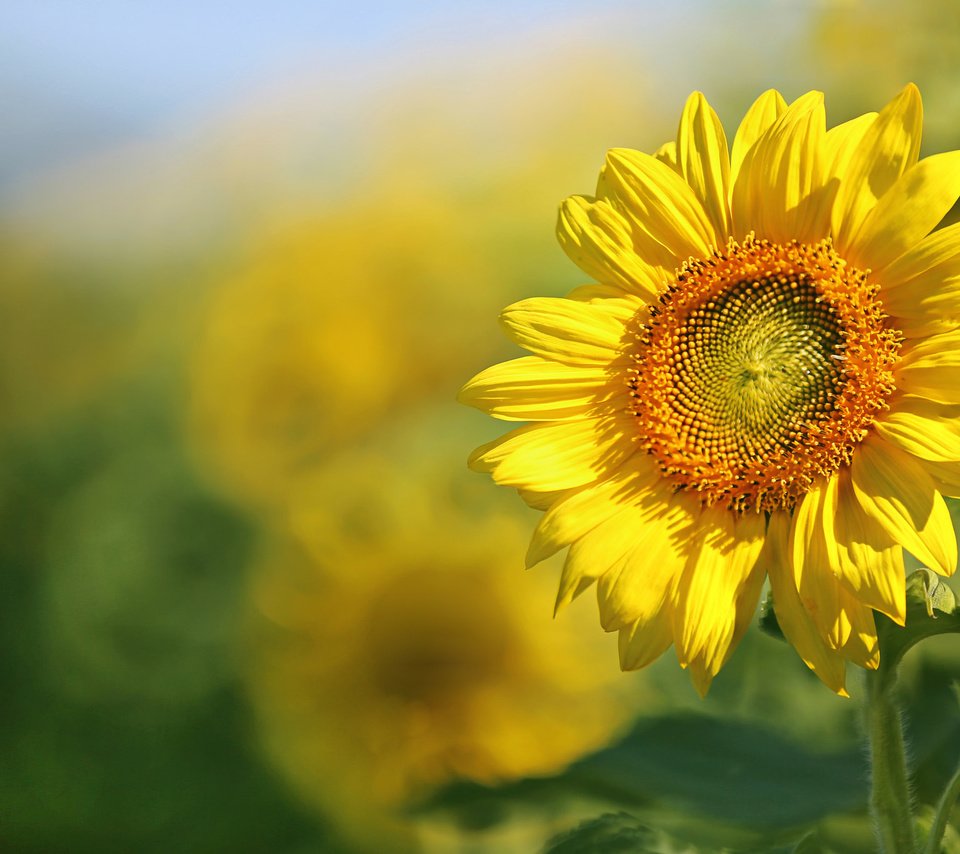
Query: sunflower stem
x,y
944,808
889,787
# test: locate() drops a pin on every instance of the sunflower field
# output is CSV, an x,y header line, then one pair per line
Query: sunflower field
x,y
266,273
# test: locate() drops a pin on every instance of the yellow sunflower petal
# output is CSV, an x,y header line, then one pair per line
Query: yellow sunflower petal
x,y
637,585
541,500
701,675
658,201
667,154
580,511
876,577
938,382
890,146
593,554
862,646
908,211
575,578
945,477
748,598
613,300
781,194
921,289
761,115
722,558
895,490
926,321
814,557
923,428
601,548
920,316
809,546
704,162
797,203
645,245
796,623
535,389
600,242
870,563
575,333
562,455
840,144
938,255
645,641
930,368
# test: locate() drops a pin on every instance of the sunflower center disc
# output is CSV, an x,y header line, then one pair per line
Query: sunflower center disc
x,y
760,370
753,365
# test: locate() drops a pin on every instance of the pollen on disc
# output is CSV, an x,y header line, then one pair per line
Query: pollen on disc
x,y
760,370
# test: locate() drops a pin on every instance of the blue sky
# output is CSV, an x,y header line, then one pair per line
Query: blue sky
x,y
75,76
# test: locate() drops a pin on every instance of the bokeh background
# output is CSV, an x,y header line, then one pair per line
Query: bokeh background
x,y
250,597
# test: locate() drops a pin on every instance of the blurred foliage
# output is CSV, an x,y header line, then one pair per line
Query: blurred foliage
x,y
919,42
63,334
709,781
249,597
616,833
123,725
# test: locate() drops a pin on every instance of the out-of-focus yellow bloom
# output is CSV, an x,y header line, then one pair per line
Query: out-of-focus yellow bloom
x,y
763,382
330,325
393,654
286,367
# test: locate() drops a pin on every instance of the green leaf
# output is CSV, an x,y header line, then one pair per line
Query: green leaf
x,y
717,781
623,833
617,833
931,610
727,769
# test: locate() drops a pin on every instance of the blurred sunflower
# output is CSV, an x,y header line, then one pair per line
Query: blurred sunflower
x,y
314,335
765,381
389,655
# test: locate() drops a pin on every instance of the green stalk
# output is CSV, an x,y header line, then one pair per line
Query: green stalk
x,y
889,789
944,808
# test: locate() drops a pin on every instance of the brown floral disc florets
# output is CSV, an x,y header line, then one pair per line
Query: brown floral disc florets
x,y
760,370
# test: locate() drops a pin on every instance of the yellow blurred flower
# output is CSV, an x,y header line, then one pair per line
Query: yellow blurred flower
x,y
391,654
321,331
764,382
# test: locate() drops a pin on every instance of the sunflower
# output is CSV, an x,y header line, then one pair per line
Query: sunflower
x,y
288,366
388,657
764,383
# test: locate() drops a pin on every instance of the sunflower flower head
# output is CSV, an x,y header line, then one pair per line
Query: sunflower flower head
x,y
388,658
763,383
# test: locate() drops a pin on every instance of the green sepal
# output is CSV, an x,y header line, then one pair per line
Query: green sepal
x,y
931,610
768,619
